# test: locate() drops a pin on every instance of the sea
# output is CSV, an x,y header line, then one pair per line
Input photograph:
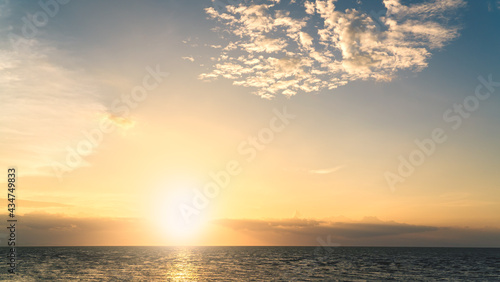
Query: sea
x,y
252,264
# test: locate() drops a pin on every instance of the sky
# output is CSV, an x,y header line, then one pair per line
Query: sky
x,y
240,122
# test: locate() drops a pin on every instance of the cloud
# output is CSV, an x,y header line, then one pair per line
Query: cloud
x,y
326,170
46,103
44,229
121,122
367,232
27,204
44,107
188,58
324,48
47,108
299,226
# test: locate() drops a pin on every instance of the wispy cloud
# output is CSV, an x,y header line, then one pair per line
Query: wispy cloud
x,y
121,122
27,204
323,48
44,107
326,170
188,58
46,103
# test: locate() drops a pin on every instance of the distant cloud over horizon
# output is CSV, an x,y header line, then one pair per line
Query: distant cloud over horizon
x,y
45,229
369,231
276,52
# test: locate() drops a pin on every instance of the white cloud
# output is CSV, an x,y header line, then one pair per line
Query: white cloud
x,y
326,170
344,45
188,58
310,8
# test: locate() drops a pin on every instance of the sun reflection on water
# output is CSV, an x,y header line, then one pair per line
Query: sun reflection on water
x,y
182,267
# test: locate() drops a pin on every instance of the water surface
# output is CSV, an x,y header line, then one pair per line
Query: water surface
x,y
253,264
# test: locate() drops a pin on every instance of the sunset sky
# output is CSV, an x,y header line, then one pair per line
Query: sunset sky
x,y
252,123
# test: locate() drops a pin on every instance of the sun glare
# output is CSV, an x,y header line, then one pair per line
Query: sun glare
x,y
169,219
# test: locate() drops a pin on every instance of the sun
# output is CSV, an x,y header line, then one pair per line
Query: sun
x,y
168,218
176,226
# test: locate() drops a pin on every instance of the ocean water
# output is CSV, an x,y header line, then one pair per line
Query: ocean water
x,y
253,264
